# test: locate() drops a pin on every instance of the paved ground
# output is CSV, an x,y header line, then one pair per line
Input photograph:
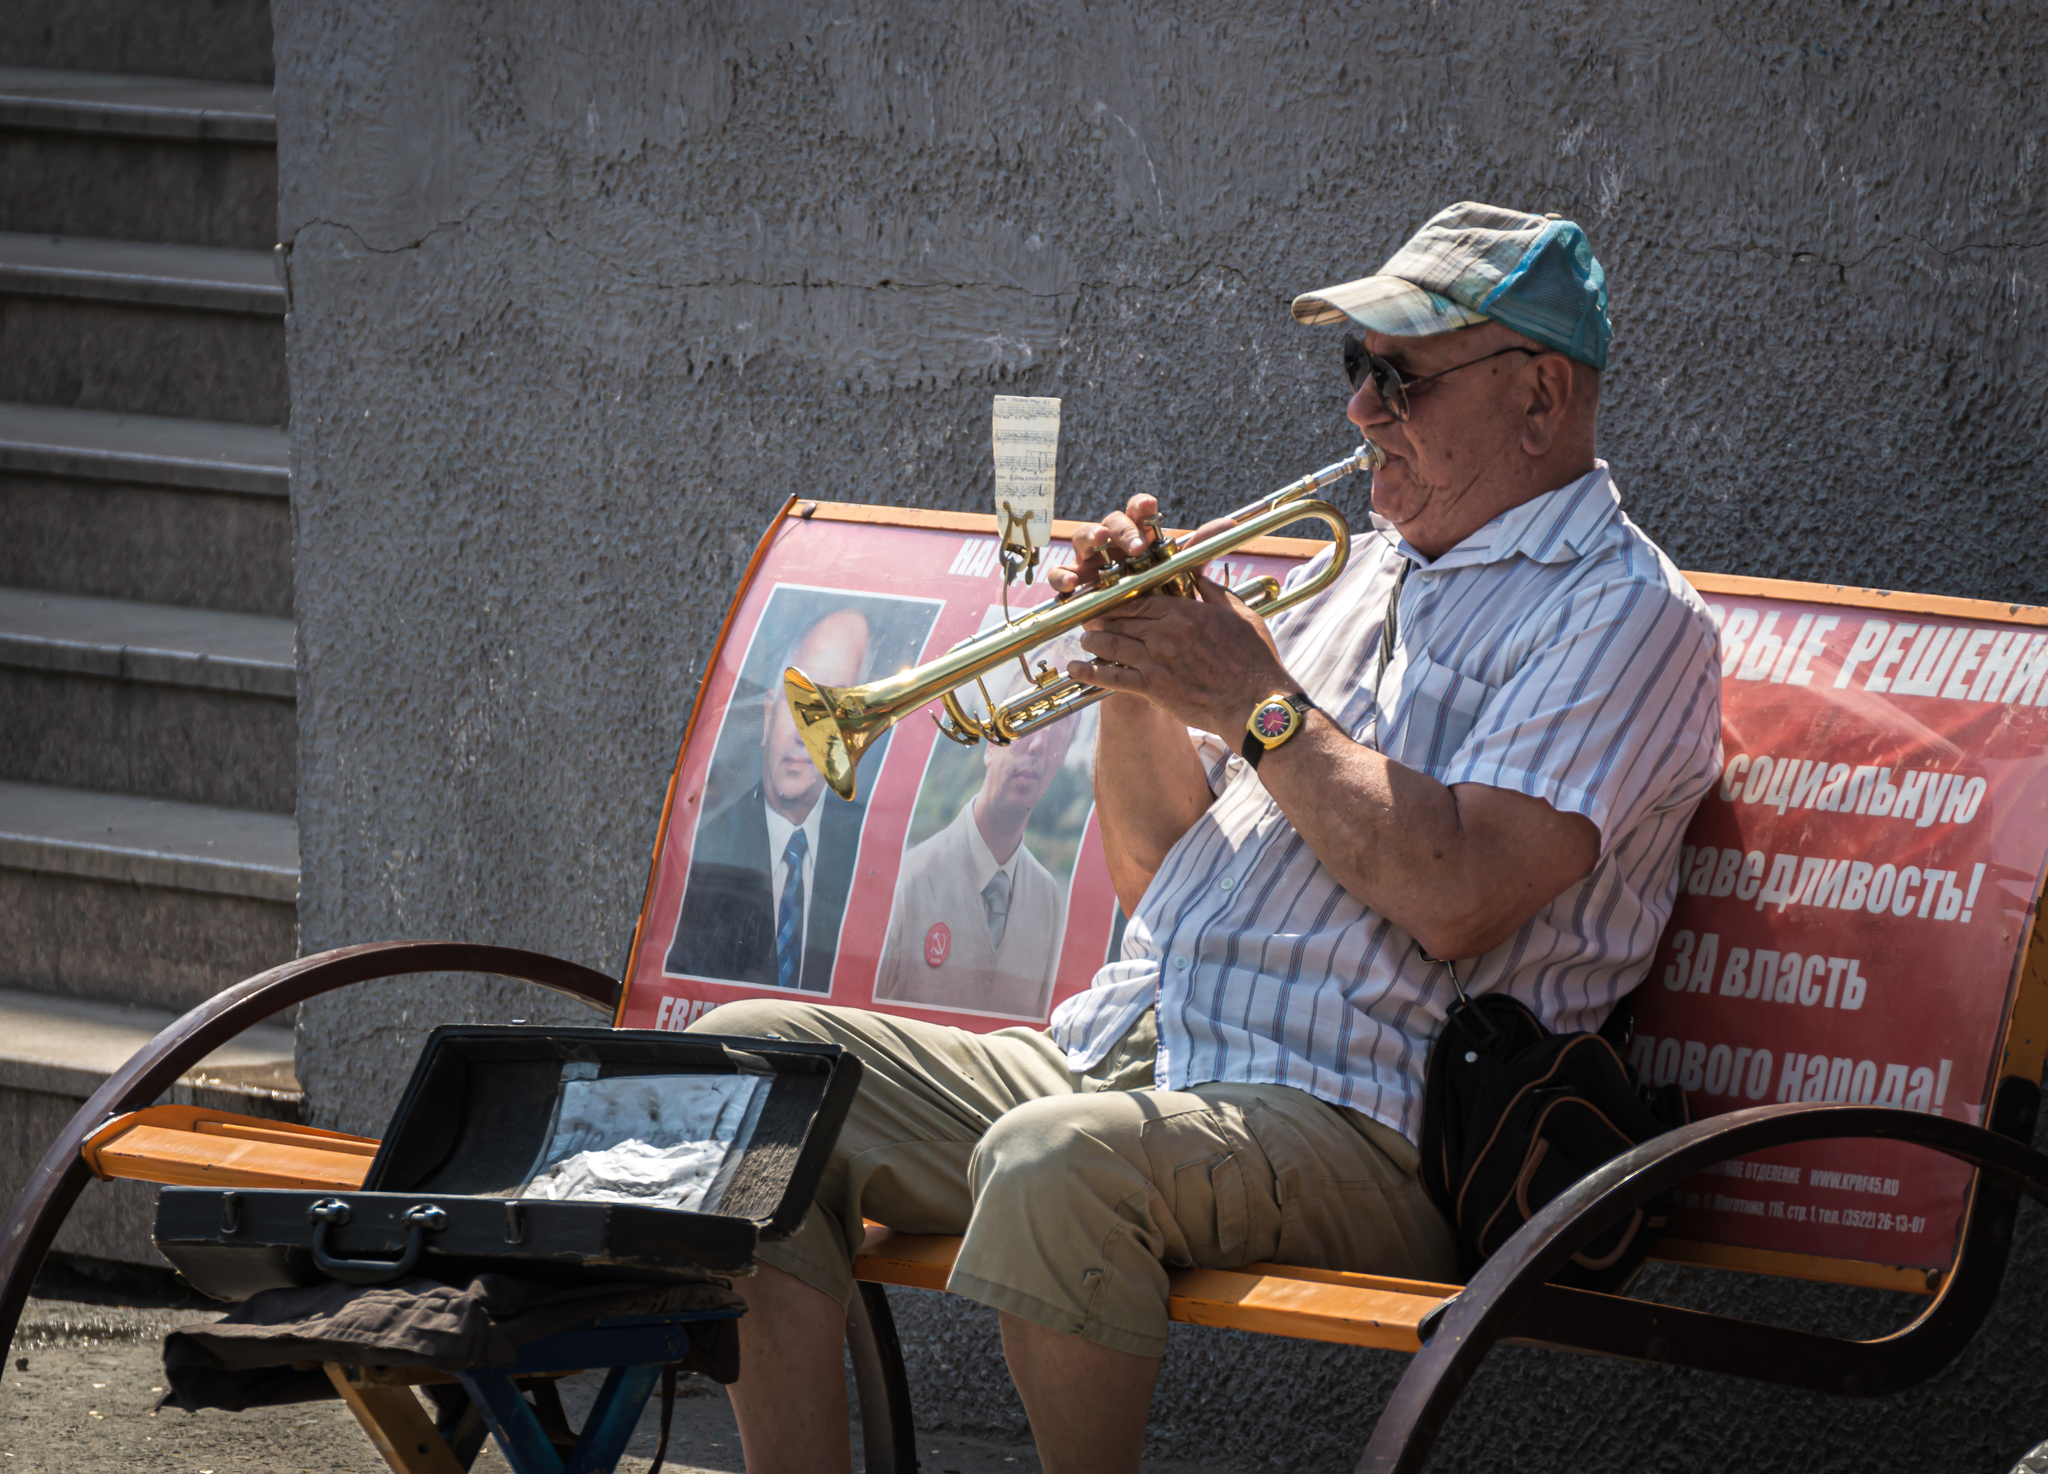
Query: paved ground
x,y
82,1380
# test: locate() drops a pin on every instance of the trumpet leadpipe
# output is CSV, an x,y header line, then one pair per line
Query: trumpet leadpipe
x,y
1368,458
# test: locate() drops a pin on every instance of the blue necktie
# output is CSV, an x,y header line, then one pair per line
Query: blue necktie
x,y
789,920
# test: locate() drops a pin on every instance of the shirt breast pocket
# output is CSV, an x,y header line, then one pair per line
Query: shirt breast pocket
x,y
1439,707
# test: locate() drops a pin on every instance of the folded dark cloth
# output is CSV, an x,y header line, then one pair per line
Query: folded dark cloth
x,y
247,1359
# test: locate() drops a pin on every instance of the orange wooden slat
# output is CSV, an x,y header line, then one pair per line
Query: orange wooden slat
x,y
397,1424
1278,1300
1781,1265
1306,1310
192,1146
200,1118
922,1261
1428,1289
284,1135
916,1261
1738,586
185,1159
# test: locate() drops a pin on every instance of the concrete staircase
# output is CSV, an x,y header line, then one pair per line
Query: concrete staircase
x,y
148,854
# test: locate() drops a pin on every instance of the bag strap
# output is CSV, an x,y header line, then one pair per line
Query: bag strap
x,y
668,1411
1468,1016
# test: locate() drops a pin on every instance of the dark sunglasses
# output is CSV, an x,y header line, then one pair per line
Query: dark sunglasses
x,y
1361,364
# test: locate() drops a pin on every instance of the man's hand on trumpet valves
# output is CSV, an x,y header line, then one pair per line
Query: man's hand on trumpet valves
x,y
1121,535
1205,662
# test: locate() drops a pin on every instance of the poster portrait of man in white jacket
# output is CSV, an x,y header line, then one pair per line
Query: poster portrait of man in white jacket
x,y
978,918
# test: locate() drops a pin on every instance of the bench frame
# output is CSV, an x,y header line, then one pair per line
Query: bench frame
x,y
1449,1328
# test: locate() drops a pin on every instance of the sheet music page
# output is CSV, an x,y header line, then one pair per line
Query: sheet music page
x,y
1027,438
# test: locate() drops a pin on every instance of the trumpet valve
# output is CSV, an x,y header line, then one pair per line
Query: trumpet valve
x,y
1258,592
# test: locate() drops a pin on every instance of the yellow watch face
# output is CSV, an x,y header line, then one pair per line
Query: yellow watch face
x,y
1274,720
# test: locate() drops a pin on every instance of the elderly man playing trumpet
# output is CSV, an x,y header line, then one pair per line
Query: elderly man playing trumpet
x,y
1483,743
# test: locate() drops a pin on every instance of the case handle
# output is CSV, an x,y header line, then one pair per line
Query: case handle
x,y
422,1219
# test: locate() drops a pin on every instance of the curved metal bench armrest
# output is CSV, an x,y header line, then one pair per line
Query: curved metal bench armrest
x,y
61,1175
1511,1294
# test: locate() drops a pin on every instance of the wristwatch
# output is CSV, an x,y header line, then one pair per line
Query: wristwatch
x,y
1274,721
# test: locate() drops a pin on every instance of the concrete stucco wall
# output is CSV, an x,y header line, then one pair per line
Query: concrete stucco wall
x,y
581,291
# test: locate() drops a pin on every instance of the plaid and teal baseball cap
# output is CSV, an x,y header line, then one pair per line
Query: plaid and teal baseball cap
x,y
1478,263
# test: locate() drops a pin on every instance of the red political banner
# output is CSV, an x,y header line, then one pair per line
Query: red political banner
x,y
962,885
1854,898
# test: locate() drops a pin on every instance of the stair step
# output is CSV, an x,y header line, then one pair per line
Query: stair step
x,y
145,507
119,640
69,1046
56,1051
226,40
140,901
159,450
137,158
129,358
149,700
153,842
159,545
208,278
136,107
153,700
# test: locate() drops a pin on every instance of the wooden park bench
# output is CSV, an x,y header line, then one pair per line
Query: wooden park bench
x,y
1855,959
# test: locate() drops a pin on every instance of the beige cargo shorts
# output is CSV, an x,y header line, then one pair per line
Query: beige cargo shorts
x,y
1076,1194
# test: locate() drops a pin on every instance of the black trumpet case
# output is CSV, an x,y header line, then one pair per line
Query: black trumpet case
x,y
542,1152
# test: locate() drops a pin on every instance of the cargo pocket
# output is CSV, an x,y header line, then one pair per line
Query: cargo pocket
x,y
1209,1202
1343,1205
1335,1223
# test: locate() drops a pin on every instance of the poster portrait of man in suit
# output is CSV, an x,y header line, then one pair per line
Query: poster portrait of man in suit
x,y
774,855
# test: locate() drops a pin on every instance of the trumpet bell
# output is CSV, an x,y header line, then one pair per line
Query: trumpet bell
x,y
833,735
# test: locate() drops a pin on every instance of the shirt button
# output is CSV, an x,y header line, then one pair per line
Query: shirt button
x,y
1227,883
1180,964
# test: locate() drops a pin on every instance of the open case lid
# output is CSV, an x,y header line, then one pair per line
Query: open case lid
x,y
491,1107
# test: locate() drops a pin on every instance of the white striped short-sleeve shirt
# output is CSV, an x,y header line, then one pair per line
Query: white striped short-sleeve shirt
x,y
1555,652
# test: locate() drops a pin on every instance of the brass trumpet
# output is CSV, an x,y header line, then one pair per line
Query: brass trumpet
x,y
840,723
